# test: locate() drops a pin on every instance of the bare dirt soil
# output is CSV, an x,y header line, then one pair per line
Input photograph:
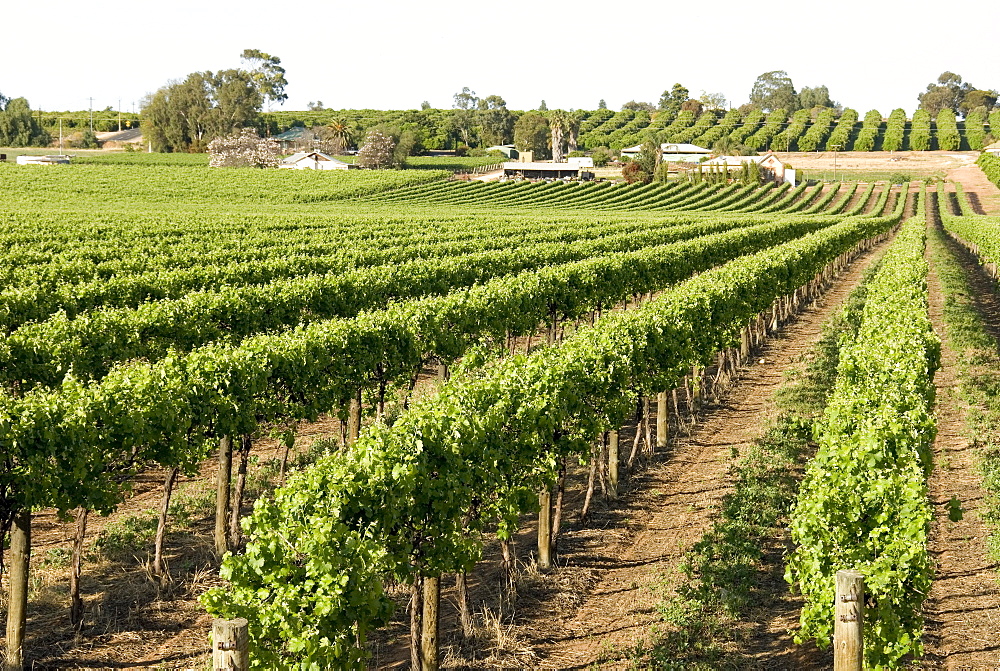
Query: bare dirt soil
x,y
918,162
634,552
955,166
962,610
983,194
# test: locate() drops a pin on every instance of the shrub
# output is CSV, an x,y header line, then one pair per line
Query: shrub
x,y
601,156
920,131
633,172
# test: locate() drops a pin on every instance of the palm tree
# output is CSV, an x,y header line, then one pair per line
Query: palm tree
x,y
341,133
573,130
559,123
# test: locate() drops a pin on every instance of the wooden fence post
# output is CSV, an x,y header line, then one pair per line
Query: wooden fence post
x,y
230,651
849,613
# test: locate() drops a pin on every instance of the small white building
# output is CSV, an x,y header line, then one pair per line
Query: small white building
x,y
673,152
993,149
313,160
771,168
42,160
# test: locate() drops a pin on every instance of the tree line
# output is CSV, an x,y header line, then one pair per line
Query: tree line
x,y
18,126
185,115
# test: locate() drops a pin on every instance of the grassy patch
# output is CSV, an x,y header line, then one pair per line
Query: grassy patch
x,y
141,158
979,375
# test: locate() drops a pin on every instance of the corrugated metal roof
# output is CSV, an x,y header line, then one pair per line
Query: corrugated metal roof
x,y
294,133
537,165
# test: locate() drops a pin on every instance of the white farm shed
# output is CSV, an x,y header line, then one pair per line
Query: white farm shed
x,y
993,149
673,152
313,160
42,160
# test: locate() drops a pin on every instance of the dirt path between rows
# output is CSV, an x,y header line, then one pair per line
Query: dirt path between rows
x,y
671,507
962,617
983,194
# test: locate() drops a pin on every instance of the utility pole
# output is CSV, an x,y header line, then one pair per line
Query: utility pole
x,y
119,115
91,99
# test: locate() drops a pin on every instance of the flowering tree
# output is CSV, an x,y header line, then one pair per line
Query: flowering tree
x,y
244,149
378,151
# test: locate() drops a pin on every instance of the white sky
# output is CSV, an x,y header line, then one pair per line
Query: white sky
x,y
393,54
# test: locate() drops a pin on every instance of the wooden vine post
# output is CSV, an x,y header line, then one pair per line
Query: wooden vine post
x,y
429,639
848,645
17,608
613,464
661,419
354,419
230,650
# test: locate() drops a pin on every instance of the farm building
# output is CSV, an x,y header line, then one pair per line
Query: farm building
x,y
507,150
771,168
993,149
675,153
42,160
296,137
313,160
541,170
